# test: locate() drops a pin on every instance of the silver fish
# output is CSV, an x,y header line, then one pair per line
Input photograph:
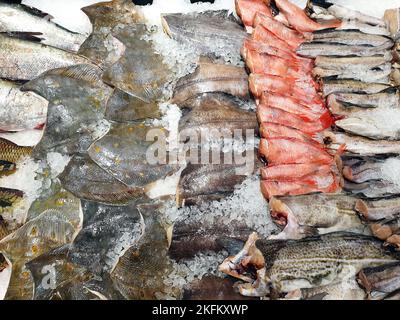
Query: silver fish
x,y
364,27
389,100
17,18
351,86
375,210
350,37
20,58
20,110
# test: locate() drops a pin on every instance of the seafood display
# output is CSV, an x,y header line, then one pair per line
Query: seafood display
x,y
234,150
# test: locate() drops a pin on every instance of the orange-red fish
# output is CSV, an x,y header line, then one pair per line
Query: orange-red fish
x,y
272,130
247,9
293,172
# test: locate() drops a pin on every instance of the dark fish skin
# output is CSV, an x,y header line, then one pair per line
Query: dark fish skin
x,y
77,100
86,180
9,196
122,107
123,153
384,278
3,263
375,210
11,152
4,232
140,71
210,33
189,239
212,77
212,288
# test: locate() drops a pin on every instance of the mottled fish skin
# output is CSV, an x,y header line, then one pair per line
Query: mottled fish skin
x,y
210,33
122,107
350,37
375,210
384,279
322,213
101,46
4,230
140,71
351,86
20,110
141,271
77,100
17,18
9,197
86,180
106,233
25,60
212,77
72,282
359,145
123,152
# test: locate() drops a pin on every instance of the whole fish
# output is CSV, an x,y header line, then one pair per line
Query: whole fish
x,y
283,266
355,24
210,33
86,180
17,18
10,152
387,100
350,37
20,58
123,152
351,86
379,74
77,101
140,72
384,278
315,214
359,145
375,210
212,77
315,49
247,10
373,189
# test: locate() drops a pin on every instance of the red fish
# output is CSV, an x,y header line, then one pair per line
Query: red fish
x,y
247,9
299,20
272,130
293,172
263,35
292,37
290,151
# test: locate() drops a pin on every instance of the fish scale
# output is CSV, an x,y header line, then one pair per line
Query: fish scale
x,y
11,152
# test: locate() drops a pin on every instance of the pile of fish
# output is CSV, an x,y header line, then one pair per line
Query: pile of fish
x,y
314,119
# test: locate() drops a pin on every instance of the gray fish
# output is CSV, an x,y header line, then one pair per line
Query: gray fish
x,y
359,145
125,150
20,110
350,37
375,210
88,181
20,58
373,100
355,24
101,46
364,170
212,77
383,278
140,72
373,189
141,271
210,33
315,49
289,265
315,214
122,107
77,100
351,86
106,233
17,18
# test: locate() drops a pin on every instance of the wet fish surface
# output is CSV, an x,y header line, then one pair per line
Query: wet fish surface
x,y
351,86
384,279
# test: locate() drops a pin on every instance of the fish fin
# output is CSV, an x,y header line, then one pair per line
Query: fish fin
x,y
29,36
85,72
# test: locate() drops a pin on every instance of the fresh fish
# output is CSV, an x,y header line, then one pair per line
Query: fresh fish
x,y
11,152
392,20
88,181
247,10
263,35
212,77
363,27
384,278
315,214
299,20
20,110
315,49
218,111
117,228
20,58
375,210
359,145
286,265
214,180
141,271
77,100
351,38
387,231
9,198
106,17
210,33
373,189
140,71
122,107
17,18
190,238
4,230
123,152
364,170
388,100
351,86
